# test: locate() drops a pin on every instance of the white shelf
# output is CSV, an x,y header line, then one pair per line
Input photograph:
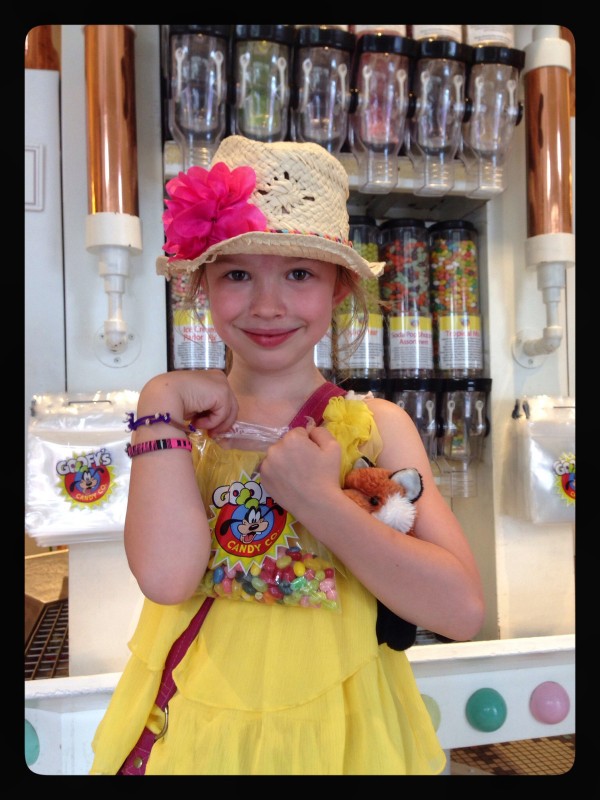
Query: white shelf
x,y
401,202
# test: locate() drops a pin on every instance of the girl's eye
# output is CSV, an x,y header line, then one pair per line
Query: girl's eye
x,y
300,274
237,275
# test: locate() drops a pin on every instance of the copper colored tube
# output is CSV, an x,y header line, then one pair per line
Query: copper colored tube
x,y
565,33
111,125
549,184
40,52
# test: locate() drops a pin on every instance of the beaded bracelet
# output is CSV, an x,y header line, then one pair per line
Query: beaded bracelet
x,y
152,419
157,444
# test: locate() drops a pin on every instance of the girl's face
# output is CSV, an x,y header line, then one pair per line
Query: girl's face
x,y
272,307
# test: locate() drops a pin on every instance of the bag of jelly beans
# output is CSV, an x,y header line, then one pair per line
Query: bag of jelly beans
x,y
259,552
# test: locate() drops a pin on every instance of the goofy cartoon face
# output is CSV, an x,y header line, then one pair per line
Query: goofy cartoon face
x,y
252,523
87,480
245,511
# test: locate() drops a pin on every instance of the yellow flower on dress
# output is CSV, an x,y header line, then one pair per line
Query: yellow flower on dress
x,y
351,422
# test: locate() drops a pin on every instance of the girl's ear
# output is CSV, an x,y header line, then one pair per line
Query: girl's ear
x,y
340,293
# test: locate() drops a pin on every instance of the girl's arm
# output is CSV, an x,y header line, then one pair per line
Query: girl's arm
x,y
430,579
167,538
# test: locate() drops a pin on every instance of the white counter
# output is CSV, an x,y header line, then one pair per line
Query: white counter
x,y
62,713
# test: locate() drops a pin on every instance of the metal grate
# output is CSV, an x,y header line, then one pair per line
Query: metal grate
x,y
553,755
47,649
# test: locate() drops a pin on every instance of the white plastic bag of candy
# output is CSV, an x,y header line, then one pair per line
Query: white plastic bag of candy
x,y
259,552
77,470
539,476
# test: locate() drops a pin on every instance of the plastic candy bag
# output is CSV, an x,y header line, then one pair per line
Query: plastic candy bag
x,y
539,479
77,471
259,552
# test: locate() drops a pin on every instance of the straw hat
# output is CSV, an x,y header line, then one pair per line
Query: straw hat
x,y
279,198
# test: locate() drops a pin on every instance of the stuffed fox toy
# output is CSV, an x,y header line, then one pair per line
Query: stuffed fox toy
x,y
390,496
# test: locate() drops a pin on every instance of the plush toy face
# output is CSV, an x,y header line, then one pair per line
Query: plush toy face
x,y
388,495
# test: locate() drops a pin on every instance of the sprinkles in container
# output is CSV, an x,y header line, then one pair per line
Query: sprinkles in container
x,y
367,359
454,276
404,290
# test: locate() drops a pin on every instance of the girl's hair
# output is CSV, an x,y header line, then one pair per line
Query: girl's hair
x,y
356,307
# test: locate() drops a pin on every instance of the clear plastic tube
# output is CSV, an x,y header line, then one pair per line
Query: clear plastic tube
x,y
381,86
458,348
322,80
198,90
404,289
261,64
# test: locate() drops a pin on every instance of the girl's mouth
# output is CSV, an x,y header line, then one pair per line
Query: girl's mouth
x,y
269,338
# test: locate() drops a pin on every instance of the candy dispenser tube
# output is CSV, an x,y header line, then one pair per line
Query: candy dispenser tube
x,y
321,86
404,290
198,80
495,112
380,107
261,81
365,359
433,133
113,228
458,348
463,425
550,247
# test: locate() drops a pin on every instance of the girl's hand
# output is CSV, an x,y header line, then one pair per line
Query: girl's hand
x,y
203,397
303,464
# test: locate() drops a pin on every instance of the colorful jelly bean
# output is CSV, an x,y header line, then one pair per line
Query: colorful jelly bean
x,y
218,575
295,577
300,568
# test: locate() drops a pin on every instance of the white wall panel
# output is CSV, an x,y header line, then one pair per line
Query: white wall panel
x,y
90,367
44,307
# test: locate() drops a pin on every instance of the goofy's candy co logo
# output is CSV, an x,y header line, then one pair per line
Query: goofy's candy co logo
x,y
564,470
247,524
86,479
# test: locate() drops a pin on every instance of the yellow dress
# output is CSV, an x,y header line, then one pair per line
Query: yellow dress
x,y
276,690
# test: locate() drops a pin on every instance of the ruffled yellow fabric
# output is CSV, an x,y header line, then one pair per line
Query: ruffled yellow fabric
x,y
276,690
351,421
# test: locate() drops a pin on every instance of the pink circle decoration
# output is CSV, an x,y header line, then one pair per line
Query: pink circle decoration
x,y
549,703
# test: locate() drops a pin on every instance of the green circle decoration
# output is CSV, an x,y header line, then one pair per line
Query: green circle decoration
x,y
433,709
486,710
32,744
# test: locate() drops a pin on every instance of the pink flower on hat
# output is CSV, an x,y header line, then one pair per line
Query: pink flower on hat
x,y
208,206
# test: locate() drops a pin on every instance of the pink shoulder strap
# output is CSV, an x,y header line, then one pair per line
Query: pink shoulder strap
x,y
316,403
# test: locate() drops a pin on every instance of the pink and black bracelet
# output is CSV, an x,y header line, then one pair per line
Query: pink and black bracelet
x,y
157,444
152,419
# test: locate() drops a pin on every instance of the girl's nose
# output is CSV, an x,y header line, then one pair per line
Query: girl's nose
x,y
267,301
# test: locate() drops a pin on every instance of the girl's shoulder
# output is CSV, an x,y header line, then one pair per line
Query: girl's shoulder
x,y
401,442
384,410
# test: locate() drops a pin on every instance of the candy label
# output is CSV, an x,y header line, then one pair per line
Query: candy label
x,y
459,340
410,342
369,354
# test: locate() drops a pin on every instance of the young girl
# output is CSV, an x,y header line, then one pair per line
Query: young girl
x,y
277,680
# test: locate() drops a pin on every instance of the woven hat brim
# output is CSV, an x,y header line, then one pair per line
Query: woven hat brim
x,y
293,245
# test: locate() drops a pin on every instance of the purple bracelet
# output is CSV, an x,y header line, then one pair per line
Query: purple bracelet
x,y
157,444
152,419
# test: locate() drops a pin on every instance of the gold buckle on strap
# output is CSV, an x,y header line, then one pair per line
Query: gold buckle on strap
x,y
165,726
